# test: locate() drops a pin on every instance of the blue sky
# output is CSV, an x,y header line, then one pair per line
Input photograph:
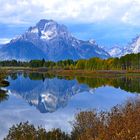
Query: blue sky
x,y
109,22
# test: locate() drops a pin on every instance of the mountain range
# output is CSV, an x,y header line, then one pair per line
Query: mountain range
x,y
51,41
132,47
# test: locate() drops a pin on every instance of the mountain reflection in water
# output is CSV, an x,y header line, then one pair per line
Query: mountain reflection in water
x,y
48,93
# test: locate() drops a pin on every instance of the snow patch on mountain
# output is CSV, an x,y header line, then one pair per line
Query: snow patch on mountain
x,y
34,30
115,51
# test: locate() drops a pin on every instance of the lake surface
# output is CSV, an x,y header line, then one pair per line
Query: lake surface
x,y
52,102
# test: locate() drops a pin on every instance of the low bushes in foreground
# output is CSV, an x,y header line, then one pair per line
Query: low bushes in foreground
x,y
26,131
121,123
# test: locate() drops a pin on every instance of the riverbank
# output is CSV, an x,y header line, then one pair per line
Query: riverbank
x,y
3,82
74,72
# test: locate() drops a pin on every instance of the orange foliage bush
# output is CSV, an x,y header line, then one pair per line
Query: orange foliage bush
x,y
121,123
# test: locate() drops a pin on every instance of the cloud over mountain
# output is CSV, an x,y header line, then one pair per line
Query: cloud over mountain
x,y
26,11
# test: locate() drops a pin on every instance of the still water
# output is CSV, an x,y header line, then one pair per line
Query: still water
x,y
52,102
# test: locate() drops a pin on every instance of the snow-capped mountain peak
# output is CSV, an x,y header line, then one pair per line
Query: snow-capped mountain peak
x,y
133,47
48,29
136,45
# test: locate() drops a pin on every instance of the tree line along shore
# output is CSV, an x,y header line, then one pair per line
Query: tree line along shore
x,y
127,63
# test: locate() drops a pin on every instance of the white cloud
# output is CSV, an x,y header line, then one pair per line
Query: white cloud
x,y
132,16
87,11
4,40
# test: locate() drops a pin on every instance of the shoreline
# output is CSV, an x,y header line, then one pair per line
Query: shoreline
x,y
63,72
